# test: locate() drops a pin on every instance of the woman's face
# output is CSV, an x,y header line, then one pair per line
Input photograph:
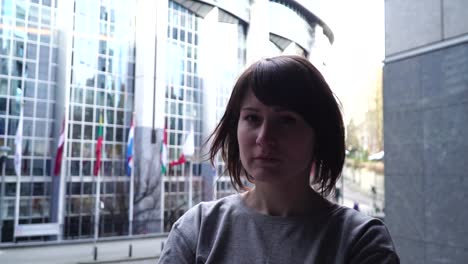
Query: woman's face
x,y
274,144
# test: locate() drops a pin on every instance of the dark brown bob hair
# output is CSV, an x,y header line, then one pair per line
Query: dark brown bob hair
x,y
294,83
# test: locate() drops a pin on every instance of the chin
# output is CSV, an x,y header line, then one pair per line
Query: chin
x,y
266,173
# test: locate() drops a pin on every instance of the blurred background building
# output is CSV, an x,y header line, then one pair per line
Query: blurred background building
x,y
426,127
167,66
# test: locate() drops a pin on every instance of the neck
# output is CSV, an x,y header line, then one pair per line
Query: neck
x,y
290,199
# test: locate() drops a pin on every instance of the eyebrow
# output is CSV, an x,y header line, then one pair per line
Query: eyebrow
x,y
249,109
275,108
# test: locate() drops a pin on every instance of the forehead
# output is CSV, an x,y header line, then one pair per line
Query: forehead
x,y
251,102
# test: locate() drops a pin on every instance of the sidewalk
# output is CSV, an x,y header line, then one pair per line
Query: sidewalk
x,y
353,193
115,251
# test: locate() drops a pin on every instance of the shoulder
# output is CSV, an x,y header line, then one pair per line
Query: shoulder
x,y
204,218
365,236
352,219
211,212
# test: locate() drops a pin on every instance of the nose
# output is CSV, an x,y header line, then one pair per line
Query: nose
x,y
266,135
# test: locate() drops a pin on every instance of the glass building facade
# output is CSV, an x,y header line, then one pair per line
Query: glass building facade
x,y
183,109
83,68
28,66
102,86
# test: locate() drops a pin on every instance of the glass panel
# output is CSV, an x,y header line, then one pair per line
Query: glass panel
x,y
41,109
87,188
25,206
29,89
38,167
75,206
88,132
40,130
88,205
78,95
28,108
120,118
89,97
19,48
25,189
88,150
40,148
38,188
77,113
89,114
86,168
3,106
12,126
38,207
108,168
76,188
76,149
100,98
110,187
119,134
109,134
10,189
108,151
110,117
4,48
119,151
3,86
75,168
76,132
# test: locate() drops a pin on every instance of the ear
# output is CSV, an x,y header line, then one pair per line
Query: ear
x,y
312,169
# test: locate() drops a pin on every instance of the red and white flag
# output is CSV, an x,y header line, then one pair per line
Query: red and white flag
x,y
187,150
58,157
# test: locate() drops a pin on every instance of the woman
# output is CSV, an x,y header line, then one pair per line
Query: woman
x,y
282,132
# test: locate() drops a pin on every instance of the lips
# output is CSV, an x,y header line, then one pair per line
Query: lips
x,y
266,159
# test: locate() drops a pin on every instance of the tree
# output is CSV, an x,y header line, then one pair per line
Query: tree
x,y
352,137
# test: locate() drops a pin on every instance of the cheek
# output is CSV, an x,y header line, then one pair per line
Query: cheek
x,y
245,143
302,148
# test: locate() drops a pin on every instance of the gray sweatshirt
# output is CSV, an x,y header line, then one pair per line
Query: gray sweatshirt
x,y
227,231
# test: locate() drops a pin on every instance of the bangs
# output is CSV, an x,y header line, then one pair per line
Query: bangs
x,y
286,83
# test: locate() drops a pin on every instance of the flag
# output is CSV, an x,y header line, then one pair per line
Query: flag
x,y
58,157
97,165
187,150
164,154
19,143
130,150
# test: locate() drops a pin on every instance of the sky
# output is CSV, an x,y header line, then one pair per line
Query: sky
x,y
357,52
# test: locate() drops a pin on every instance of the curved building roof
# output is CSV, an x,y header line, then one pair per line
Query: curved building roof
x,y
240,9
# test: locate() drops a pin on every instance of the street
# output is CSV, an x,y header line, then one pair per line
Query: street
x,y
145,251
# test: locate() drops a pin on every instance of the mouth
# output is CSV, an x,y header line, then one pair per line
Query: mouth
x,y
266,159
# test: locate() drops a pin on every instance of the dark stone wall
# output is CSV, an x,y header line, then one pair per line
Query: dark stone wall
x,y
426,155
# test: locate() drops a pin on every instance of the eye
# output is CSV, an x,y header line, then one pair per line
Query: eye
x,y
251,118
288,120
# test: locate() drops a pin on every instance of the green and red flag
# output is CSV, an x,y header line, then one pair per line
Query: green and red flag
x,y
97,165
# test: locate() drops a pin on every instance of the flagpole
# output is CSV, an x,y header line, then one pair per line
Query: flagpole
x,y
96,212
17,204
61,199
190,201
97,173
130,205
18,158
132,185
164,168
